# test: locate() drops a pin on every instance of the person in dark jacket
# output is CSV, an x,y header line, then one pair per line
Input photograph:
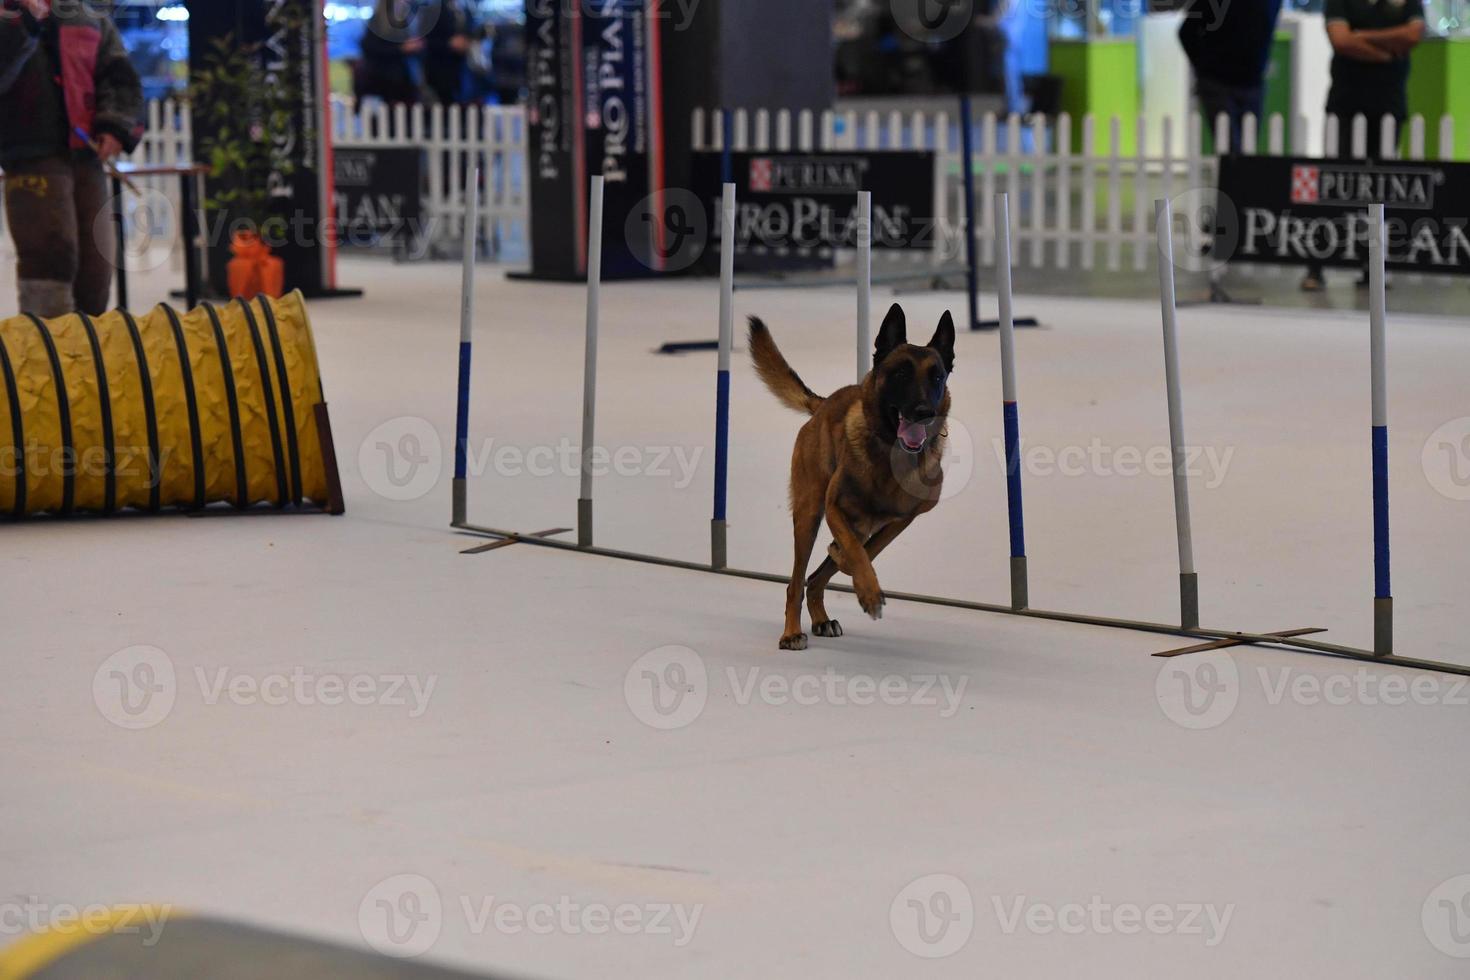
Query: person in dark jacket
x,y
389,46
69,99
1229,49
448,43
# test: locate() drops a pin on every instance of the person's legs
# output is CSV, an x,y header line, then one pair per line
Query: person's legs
x,y
42,216
96,237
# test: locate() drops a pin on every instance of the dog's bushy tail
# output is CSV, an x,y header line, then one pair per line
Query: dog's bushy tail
x,y
784,383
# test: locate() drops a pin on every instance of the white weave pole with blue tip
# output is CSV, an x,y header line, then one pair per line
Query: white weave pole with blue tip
x,y
1011,415
466,328
1378,325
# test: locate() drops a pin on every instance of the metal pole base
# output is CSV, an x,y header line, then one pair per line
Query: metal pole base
x,y
1189,600
1020,589
461,502
718,556
584,523
1383,627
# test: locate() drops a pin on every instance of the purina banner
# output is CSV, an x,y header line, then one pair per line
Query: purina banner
x,y
292,39
1295,210
594,108
806,203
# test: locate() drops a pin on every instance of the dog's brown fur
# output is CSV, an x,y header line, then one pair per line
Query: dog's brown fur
x,y
849,466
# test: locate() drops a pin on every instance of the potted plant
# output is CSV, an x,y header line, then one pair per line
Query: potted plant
x,y
242,119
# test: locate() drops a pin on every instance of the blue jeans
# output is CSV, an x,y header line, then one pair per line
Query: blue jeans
x,y
1234,101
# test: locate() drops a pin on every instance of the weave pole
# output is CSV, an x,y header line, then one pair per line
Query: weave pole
x,y
466,328
589,370
1188,577
864,284
967,183
718,555
1020,587
1378,318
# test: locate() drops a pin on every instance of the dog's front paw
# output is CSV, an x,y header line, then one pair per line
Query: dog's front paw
x,y
793,641
830,628
870,597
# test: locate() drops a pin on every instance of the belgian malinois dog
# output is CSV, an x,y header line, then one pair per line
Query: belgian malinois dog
x,y
867,460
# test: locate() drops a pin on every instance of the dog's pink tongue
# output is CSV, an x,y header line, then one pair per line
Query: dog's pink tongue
x,y
913,434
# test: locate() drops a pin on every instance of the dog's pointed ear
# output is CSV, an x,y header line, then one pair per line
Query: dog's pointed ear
x,y
893,334
943,341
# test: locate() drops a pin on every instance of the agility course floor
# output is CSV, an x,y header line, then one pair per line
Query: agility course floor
x,y
1068,773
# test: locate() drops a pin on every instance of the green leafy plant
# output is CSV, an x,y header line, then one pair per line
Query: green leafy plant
x,y
243,117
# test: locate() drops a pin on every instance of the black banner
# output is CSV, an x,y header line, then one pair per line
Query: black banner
x,y
594,108
806,203
378,194
291,35
1297,210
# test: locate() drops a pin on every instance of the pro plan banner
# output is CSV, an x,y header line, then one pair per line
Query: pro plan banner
x,y
806,203
292,39
1294,210
594,107
378,194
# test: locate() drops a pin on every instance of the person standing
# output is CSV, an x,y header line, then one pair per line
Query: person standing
x,y
389,46
1229,49
1371,43
448,43
69,100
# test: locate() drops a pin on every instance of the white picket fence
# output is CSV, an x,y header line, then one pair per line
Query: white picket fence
x,y
1071,205
1068,205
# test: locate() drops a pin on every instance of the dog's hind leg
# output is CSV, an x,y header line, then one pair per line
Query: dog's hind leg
x,y
806,521
816,586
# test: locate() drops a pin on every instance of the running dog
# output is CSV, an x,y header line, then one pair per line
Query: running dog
x,y
867,460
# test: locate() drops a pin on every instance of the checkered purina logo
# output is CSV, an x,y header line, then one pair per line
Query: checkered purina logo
x,y
762,174
1306,185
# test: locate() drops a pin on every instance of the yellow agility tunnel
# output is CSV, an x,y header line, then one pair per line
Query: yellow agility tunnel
x,y
167,410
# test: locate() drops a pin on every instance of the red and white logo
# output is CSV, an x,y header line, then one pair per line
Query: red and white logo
x,y
762,174
1306,185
